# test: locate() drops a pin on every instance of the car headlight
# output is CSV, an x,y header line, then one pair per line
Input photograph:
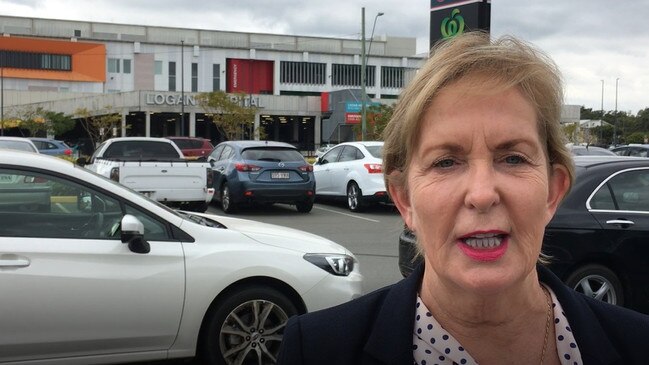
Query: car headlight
x,y
336,264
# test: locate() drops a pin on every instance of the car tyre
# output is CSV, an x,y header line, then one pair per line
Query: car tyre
x,y
226,200
354,197
598,282
246,327
304,207
199,207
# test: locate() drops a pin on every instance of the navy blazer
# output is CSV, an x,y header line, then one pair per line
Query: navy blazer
x,y
377,328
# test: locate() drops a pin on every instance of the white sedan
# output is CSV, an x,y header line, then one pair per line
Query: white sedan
x,y
352,170
105,275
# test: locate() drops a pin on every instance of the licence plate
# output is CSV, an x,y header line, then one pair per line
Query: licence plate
x,y
279,175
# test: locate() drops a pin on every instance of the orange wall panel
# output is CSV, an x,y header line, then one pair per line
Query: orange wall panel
x,y
88,59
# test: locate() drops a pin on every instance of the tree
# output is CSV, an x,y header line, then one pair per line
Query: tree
x,y
229,113
98,127
570,131
41,122
378,117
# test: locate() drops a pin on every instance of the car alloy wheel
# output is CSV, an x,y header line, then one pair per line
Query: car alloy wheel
x,y
597,282
247,327
226,200
354,197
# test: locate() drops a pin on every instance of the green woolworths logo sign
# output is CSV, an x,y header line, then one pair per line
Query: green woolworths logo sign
x,y
453,25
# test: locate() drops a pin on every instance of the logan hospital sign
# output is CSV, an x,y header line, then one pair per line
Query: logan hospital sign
x,y
190,100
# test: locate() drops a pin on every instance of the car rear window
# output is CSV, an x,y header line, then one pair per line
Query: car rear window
x,y
375,151
17,145
184,143
272,154
141,149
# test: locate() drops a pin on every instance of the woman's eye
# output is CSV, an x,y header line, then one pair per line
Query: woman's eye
x,y
446,163
514,159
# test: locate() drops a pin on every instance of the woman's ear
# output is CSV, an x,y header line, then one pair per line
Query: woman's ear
x,y
400,197
559,184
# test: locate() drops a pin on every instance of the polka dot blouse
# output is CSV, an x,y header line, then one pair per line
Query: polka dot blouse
x,y
432,345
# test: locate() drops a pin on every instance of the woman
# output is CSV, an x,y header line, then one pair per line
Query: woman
x,y
474,159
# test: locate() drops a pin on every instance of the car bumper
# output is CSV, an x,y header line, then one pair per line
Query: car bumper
x,y
248,192
408,255
339,289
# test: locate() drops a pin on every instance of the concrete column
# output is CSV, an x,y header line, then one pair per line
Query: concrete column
x,y
147,123
329,76
257,126
317,137
192,124
276,77
377,83
124,114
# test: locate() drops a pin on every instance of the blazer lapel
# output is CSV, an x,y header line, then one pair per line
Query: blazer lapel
x,y
391,339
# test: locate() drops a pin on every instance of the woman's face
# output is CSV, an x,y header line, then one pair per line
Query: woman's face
x,y
479,188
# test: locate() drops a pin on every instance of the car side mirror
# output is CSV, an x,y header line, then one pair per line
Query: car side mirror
x,y
133,234
321,161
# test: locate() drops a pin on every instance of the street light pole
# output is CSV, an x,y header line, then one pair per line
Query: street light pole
x,y
615,124
369,49
364,56
601,118
363,81
182,87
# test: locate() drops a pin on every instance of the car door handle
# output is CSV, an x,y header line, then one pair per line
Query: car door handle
x,y
14,262
621,222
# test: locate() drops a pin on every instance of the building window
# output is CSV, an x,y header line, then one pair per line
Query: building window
x,y
127,66
35,61
216,77
350,75
158,67
194,77
113,65
172,76
392,77
303,73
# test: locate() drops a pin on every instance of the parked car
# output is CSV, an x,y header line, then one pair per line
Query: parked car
x,y
590,151
107,276
156,168
193,147
352,170
636,150
52,147
323,149
247,172
597,238
18,143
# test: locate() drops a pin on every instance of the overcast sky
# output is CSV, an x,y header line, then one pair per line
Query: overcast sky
x,y
591,40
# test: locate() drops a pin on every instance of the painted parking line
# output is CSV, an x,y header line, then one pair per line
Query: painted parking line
x,y
347,214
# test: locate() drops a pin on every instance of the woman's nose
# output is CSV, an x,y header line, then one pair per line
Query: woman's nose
x,y
481,188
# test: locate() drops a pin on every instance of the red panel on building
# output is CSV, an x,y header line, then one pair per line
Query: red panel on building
x,y
324,101
249,76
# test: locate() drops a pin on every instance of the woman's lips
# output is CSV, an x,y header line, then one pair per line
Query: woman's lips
x,y
484,247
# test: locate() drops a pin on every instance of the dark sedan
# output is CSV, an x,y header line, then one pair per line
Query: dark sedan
x,y
247,172
598,241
